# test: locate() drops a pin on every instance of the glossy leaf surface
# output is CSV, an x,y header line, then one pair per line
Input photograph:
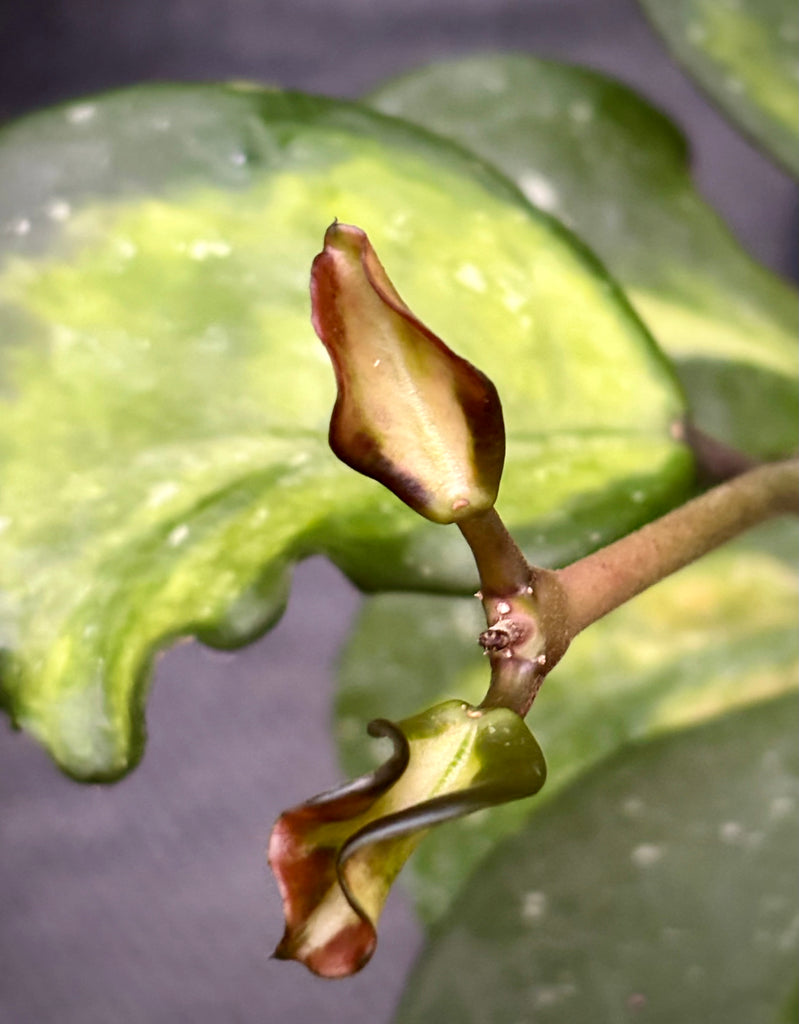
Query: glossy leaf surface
x,y
744,53
596,155
662,886
164,401
719,634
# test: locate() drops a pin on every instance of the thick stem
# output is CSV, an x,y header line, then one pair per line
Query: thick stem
x,y
524,612
502,567
595,585
533,614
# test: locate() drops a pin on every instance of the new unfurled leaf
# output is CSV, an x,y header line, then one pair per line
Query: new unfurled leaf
x,y
409,412
336,856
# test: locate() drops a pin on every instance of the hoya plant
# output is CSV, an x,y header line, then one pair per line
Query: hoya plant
x,y
550,379
428,425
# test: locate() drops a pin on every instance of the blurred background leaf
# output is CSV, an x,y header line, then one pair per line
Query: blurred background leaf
x,y
615,169
744,53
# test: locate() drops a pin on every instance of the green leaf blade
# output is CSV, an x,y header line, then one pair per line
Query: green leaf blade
x,y
164,402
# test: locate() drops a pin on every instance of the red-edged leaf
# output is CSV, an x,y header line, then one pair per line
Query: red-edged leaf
x,y
336,856
410,412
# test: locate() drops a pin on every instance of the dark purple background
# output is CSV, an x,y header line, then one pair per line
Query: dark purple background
x,y
149,901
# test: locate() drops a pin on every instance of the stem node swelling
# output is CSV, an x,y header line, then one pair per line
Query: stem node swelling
x,y
533,614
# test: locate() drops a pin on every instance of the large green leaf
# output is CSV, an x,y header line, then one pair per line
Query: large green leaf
x,y
614,168
164,402
718,634
744,53
661,887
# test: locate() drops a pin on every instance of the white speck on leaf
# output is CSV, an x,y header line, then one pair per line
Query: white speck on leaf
x,y
58,210
81,113
161,493
513,300
19,226
493,81
202,248
539,191
781,807
646,854
632,806
126,248
581,111
534,906
471,276
178,535
696,33
731,832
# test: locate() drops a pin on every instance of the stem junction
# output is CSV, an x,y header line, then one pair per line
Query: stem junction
x,y
533,614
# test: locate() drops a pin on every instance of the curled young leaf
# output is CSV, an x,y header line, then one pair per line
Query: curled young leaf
x,y
410,412
336,856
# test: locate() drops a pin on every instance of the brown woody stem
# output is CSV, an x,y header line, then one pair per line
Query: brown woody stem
x,y
602,581
524,609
